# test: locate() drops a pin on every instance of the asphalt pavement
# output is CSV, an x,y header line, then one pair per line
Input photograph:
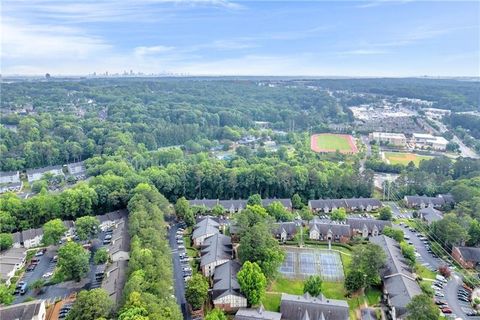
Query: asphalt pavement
x,y
179,283
454,283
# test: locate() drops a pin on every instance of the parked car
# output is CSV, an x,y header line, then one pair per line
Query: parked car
x,y
31,267
47,275
446,310
439,294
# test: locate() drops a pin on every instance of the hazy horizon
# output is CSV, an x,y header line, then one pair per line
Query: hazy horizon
x,y
242,38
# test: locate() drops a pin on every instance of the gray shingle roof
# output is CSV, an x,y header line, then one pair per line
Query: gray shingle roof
x,y
234,204
225,280
359,223
344,203
294,307
289,227
323,226
398,281
31,234
287,203
214,248
470,253
418,200
257,314
21,311
205,227
430,214
209,203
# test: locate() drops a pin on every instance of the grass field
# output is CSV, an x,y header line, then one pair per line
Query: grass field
x,y
333,290
327,142
404,158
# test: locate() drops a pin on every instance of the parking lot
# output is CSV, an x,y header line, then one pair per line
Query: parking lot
x,y
301,263
43,267
180,261
447,293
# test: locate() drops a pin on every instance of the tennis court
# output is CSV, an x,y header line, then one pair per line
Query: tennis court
x,y
304,262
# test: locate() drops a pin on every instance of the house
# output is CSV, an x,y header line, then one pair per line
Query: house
x,y
352,204
33,310
226,290
326,205
327,230
395,139
362,204
32,237
257,314
399,285
114,280
232,206
366,227
119,247
468,257
70,226
11,261
293,307
9,177
11,187
17,239
77,169
204,229
287,203
215,250
110,219
430,214
37,174
208,204
424,201
284,230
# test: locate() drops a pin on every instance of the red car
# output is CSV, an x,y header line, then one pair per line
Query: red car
x,y
446,310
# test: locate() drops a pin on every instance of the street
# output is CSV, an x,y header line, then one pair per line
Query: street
x,y
177,274
454,283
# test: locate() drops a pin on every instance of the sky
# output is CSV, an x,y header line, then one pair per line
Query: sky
x,y
220,37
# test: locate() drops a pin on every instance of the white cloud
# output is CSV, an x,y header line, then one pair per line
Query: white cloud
x,y
153,50
25,40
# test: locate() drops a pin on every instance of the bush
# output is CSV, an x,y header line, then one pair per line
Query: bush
x,y
100,256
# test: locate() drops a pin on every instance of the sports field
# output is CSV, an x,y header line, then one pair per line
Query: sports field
x,y
404,158
329,142
301,263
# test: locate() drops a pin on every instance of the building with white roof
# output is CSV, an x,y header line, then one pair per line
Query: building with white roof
x,y
396,139
428,141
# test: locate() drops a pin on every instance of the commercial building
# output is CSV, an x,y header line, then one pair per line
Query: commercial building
x,y
427,141
394,139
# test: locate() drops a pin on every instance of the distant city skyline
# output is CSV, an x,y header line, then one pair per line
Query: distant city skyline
x,y
242,38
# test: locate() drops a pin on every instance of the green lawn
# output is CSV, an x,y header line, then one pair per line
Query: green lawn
x,y
405,158
424,272
333,142
271,301
332,290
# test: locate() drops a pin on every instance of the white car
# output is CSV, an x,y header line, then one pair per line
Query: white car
x,y
47,275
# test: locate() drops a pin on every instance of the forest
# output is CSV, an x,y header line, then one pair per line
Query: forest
x,y
58,121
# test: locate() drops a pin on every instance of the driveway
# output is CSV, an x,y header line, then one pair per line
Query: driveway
x,y
179,283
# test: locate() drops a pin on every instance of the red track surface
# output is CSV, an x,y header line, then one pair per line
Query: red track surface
x,y
351,141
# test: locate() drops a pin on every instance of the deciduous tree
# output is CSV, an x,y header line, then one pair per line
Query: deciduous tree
x,y
91,304
73,261
313,285
53,231
252,282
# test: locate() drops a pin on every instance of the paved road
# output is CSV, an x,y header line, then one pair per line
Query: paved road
x,y
177,274
465,151
454,283
396,212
